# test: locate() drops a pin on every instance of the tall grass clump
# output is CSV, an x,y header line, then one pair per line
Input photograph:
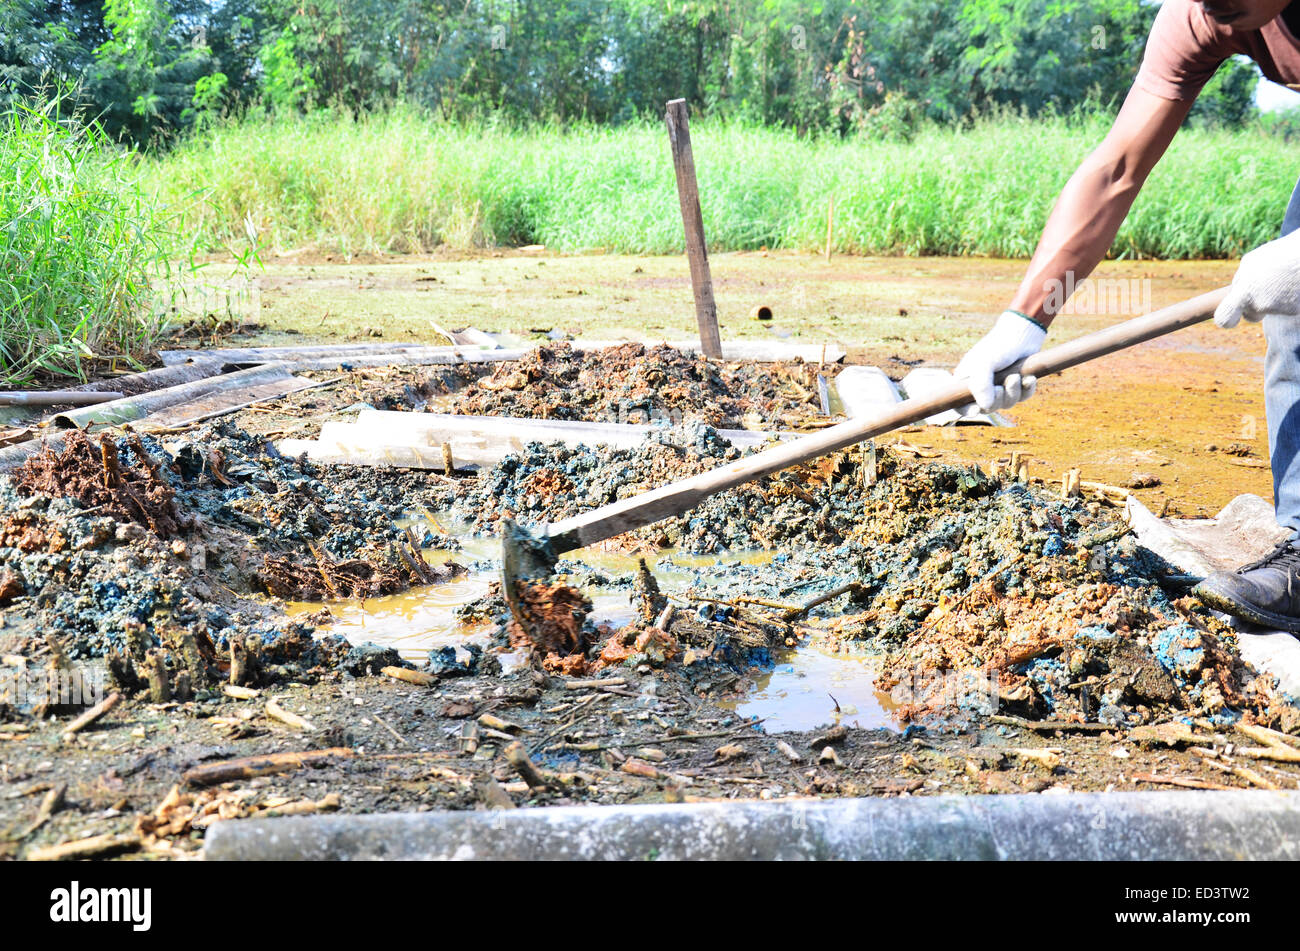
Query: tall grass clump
x,y
81,250
401,180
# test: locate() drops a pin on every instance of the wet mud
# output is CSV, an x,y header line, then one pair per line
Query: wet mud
x,y
633,383
872,623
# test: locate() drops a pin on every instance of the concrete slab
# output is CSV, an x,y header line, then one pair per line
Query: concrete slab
x,y
1119,826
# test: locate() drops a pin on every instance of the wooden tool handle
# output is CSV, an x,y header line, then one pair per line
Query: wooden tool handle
x,y
1122,336
680,497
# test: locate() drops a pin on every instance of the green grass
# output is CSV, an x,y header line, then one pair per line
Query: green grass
x,y
83,251
400,181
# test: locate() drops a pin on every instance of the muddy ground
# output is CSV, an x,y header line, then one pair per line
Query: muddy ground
x,y
1127,684
1187,410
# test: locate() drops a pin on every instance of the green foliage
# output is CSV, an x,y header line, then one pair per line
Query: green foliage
x,y
82,250
209,93
402,180
1040,54
286,84
144,69
46,45
1283,124
146,72
829,65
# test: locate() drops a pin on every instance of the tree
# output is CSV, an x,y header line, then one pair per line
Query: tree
x,y
1036,54
145,73
156,67
1229,97
46,46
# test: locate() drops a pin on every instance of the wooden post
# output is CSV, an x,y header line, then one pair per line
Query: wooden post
x,y
830,226
688,193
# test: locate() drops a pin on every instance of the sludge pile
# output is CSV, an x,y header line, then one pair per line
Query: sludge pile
x,y
954,572
632,383
1050,601
123,547
815,504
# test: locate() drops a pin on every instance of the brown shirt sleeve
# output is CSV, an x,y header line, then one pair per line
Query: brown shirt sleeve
x,y
1183,51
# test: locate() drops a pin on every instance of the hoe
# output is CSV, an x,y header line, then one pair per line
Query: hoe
x,y
534,554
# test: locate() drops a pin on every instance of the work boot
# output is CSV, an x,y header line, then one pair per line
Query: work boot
x,y
1265,592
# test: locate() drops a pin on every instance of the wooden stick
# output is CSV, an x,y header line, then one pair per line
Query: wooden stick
x,y
1070,484
1051,726
1268,737
589,684
277,712
242,664
1252,777
250,767
1249,775
91,715
688,195
490,721
518,759
306,807
807,606
59,667
51,803
155,671
91,847
469,736
1088,485
1278,754
421,678
1179,781
830,226
384,723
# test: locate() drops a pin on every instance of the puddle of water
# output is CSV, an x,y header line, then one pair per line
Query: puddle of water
x,y
412,621
421,618
614,562
797,693
417,619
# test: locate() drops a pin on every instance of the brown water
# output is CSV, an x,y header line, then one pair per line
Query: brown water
x,y
800,693
812,687
421,618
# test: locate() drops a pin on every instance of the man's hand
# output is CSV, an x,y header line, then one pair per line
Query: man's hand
x,y
1267,282
1012,338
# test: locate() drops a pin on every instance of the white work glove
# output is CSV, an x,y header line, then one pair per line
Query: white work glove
x,y
1012,338
1267,282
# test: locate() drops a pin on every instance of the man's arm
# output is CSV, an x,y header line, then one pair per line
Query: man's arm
x,y
1093,204
1078,233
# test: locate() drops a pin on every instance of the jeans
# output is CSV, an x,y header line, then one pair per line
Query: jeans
x,y
1282,399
